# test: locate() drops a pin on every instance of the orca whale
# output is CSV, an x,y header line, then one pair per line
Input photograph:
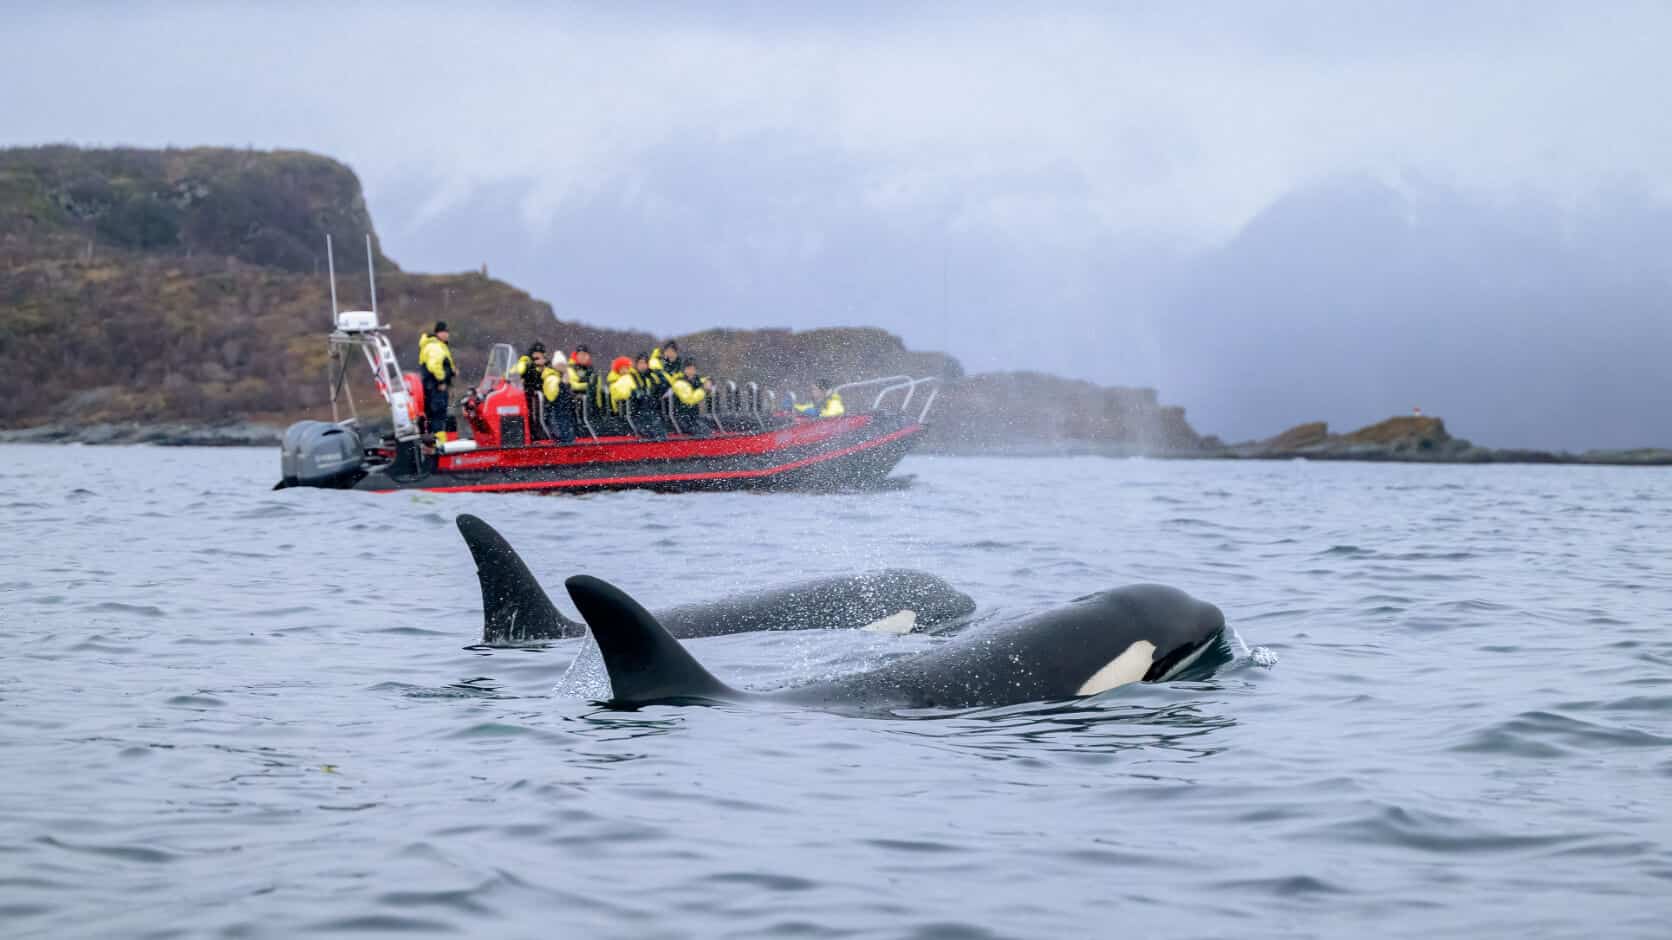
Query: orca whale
x,y
1140,633
516,610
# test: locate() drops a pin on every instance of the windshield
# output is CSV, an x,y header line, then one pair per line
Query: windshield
x,y
500,358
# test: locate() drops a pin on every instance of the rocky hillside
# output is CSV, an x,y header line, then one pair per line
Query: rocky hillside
x,y
187,287
1414,439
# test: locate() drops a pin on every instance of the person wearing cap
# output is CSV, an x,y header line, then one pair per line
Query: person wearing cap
x,y
689,392
654,381
534,371
436,369
646,405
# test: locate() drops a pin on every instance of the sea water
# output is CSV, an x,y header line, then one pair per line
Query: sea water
x,y
228,711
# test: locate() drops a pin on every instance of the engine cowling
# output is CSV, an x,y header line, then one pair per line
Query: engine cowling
x,y
319,453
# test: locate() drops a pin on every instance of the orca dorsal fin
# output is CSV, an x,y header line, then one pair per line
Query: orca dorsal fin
x,y
515,607
645,662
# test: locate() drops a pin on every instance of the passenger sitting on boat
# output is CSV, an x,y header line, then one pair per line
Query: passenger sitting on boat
x,y
655,381
610,396
557,406
666,359
826,403
830,400
436,369
533,369
576,383
689,391
646,404
622,382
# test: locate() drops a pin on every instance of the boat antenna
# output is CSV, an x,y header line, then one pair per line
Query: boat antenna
x,y
331,266
371,272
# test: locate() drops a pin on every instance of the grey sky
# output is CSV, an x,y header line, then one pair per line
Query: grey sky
x,y
1108,188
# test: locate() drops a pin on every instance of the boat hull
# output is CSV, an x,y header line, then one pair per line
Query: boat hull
x,y
852,452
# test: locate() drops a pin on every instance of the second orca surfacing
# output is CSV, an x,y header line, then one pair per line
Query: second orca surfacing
x,y
1140,633
516,610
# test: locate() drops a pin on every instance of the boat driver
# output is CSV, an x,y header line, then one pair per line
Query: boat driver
x,y
436,369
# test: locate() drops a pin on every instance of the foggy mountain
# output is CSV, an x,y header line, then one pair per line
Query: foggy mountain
x,y
1522,323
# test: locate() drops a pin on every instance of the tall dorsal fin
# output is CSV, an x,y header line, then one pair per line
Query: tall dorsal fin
x,y
645,663
515,607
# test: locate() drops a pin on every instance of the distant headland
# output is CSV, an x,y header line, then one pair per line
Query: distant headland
x,y
179,297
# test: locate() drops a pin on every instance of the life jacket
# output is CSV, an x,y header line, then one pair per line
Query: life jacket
x,y
655,383
623,386
435,360
660,364
531,378
552,384
578,379
688,394
832,407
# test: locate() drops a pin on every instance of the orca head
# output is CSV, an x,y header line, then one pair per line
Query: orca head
x,y
922,599
1149,633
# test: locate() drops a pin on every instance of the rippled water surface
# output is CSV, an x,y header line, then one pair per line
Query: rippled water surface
x,y
231,711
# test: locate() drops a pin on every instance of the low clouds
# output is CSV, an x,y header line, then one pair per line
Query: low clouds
x,y
1101,190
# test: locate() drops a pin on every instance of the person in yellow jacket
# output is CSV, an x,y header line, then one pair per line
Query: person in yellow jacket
x,y
611,393
666,359
826,403
532,369
632,394
622,382
559,404
689,392
436,369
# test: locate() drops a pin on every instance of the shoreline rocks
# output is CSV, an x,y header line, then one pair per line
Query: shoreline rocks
x,y
170,434
1417,439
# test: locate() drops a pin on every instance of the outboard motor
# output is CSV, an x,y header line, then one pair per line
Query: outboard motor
x,y
319,453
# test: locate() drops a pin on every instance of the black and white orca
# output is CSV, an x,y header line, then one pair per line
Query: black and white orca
x,y
1141,633
516,610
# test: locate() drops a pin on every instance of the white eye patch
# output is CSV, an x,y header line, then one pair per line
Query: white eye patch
x,y
1129,666
898,624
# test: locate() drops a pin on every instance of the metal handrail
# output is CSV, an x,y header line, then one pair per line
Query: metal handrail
x,y
907,384
725,403
921,415
864,382
667,406
586,412
933,380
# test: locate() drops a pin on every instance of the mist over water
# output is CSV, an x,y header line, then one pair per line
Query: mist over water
x,y
231,710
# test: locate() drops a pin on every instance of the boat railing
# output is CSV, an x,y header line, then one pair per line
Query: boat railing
x,y
897,383
911,387
725,403
669,411
866,383
586,415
